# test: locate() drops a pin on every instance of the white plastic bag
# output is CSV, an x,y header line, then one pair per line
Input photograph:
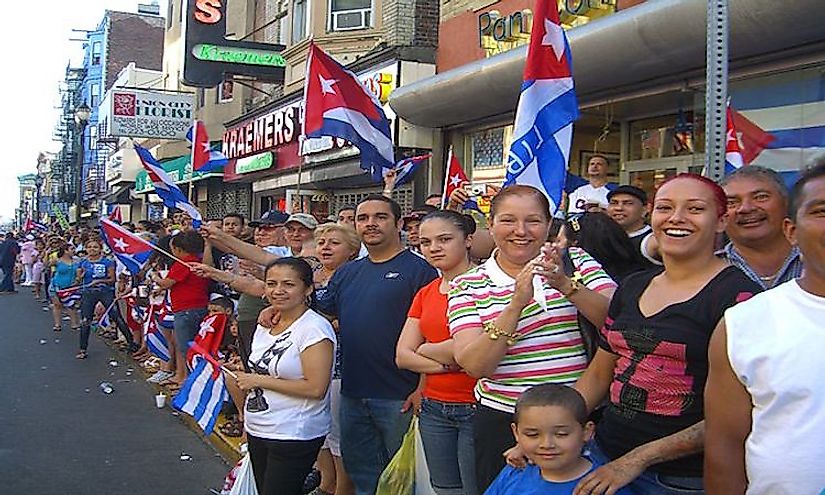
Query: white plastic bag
x,y
244,479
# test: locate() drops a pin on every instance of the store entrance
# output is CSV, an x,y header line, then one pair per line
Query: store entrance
x,y
648,175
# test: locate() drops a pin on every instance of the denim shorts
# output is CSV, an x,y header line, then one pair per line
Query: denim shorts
x,y
187,324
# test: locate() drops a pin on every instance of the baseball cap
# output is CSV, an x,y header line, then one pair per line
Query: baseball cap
x,y
272,217
304,219
631,190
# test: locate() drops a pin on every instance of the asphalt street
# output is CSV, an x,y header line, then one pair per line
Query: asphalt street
x,y
59,434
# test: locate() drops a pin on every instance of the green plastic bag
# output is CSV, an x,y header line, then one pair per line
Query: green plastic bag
x,y
398,477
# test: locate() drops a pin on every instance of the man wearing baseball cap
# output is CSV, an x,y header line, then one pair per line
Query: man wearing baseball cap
x,y
300,228
627,206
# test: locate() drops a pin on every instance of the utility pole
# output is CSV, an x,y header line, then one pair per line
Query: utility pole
x,y
716,90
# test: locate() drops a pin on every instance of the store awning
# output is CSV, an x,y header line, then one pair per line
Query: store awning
x,y
653,44
118,195
179,170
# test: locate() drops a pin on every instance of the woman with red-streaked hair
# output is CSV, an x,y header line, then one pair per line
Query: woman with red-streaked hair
x,y
652,363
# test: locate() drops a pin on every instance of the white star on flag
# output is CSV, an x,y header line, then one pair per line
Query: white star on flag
x,y
554,37
731,137
120,244
455,180
326,85
206,326
206,146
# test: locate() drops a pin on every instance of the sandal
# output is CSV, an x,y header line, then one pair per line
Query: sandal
x,y
57,328
81,355
75,328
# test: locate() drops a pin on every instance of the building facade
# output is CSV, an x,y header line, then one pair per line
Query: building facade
x,y
640,83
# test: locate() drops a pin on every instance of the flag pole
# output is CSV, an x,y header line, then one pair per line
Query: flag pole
x,y
192,158
444,199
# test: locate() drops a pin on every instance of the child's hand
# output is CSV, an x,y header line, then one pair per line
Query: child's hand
x,y
516,458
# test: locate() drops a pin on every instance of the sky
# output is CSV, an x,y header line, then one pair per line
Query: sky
x,y
37,50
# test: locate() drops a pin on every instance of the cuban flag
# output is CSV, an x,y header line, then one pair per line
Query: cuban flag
x,y
130,249
204,158
546,110
32,225
165,187
406,169
164,315
733,153
209,337
69,297
115,214
155,340
203,393
337,104
455,178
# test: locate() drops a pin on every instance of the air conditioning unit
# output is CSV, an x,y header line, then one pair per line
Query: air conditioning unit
x,y
346,20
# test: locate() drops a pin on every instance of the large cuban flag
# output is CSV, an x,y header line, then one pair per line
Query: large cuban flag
x,y
165,187
337,104
546,110
781,125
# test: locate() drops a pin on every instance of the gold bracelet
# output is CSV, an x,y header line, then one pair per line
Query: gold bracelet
x,y
494,332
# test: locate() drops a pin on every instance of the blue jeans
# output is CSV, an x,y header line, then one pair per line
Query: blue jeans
x,y
371,433
651,483
447,435
187,324
89,299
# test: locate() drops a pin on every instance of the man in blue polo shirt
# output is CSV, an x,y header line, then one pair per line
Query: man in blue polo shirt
x,y
371,297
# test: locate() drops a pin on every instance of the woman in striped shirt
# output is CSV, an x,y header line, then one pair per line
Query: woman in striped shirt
x,y
514,319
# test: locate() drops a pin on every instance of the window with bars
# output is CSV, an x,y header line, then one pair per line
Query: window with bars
x,y
487,148
403,196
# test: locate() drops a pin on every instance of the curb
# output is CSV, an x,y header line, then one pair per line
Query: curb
x,y
227,447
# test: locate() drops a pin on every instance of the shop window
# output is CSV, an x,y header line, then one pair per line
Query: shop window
x,y
300,18
97,51
662,137
224,92
346,15
487,148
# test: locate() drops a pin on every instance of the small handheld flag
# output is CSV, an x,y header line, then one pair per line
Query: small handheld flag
x,y
337,104
130,249
165,187
69,297
455,178
115,214
155,340
406,169
209,337
202,394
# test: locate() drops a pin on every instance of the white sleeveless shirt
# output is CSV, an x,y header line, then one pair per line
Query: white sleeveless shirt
x,y
776,347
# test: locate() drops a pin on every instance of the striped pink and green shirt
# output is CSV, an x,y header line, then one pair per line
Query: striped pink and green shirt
x,y
550,348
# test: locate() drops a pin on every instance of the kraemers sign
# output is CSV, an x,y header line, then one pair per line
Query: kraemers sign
x,y
147,114
209,57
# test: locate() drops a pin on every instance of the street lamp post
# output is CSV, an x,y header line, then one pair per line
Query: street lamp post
x,y
38,183
81,118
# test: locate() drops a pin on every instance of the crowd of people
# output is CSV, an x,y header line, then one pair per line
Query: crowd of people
x,y
662,345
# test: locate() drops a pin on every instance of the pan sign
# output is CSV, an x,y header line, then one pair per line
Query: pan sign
x,y
209,57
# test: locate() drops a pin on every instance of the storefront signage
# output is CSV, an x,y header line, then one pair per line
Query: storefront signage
x,y
209,57
247,56
499,32
148,114
263,133
254,163
504,28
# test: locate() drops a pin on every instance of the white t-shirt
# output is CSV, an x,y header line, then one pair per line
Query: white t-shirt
x,y
278,416
587,194
776,341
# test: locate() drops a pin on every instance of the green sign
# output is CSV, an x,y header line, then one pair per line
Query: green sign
x,y
254,163
61,218
178,169
232,55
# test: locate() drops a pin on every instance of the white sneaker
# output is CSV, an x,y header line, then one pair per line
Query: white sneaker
x,y
160,376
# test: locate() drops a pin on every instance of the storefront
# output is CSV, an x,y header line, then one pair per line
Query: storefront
x,y
640,86
319,175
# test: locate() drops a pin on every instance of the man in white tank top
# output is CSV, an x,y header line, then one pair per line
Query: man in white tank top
x,y
765,395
